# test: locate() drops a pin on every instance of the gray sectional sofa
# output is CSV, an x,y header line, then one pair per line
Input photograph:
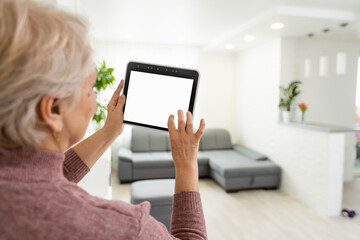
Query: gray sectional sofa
x,y
233,167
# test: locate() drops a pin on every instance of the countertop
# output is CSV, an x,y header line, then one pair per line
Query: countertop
x,y
321,127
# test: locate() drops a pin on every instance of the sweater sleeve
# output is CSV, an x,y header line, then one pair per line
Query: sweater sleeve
x,y
187,220
74,168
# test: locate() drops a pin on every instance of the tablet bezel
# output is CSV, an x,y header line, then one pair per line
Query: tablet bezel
x,y
161,70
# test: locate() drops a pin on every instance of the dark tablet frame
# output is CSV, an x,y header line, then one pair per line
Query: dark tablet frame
x,y
161,70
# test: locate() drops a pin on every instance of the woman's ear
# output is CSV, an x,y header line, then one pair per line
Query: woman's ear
x,y
51,113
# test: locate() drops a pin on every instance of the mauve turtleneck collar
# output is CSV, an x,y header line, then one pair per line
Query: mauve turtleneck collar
x,y
27,164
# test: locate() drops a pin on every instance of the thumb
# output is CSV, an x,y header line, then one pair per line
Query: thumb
x,y
121,102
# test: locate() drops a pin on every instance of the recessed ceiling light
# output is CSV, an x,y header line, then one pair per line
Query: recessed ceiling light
x,y
229,46
249,38
277,25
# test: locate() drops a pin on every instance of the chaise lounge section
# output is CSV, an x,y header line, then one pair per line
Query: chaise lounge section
x,y
232,167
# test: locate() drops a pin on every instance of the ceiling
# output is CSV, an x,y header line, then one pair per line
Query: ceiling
x,y
214,24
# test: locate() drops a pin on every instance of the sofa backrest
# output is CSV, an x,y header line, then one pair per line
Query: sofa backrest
x,y
147,140
215,139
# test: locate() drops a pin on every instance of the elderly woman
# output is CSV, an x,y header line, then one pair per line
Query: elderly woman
x,y
46,101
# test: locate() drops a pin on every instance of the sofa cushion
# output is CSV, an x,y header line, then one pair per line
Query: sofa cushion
x,y
215,139
152,160
144,140
230,163
160,195
125,154
158,192
160,159
203,159
250,153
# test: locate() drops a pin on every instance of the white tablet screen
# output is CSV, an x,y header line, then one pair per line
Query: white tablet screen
x,y
152,98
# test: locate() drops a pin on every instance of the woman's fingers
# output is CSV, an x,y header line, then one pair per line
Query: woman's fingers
x,y
189,123
115,97
171,124
181,121
115,117
201,130
119,88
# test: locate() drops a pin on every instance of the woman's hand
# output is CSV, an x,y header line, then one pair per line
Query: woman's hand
x,y
184,143
115,117
91,149
184,149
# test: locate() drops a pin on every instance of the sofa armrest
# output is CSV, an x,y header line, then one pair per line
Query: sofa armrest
x,y
250,153
125,154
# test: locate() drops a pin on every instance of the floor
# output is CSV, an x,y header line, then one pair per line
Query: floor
x,y
261,214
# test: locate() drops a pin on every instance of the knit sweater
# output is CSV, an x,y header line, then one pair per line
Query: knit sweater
x,y
39,199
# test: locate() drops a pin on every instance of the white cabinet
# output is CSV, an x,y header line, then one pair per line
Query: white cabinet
x,y
97,181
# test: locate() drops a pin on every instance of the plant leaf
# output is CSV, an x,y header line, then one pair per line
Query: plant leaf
x,y
103,80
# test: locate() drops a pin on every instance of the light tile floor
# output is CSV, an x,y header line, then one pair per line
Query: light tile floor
x,y
260,214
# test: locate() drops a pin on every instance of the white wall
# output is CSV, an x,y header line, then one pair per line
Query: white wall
x,y
331,98
257,93
215,100
310,172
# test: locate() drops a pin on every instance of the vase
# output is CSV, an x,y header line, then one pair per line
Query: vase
x,y
286,116
302,116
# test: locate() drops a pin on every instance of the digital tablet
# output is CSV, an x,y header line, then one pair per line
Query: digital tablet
x,y
154,92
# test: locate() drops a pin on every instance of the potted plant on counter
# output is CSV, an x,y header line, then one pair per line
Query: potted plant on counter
x,y
287,96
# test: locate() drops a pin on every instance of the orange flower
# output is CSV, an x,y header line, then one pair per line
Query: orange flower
x,y
303,106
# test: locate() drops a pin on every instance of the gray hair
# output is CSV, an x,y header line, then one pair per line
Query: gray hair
x,y
43,51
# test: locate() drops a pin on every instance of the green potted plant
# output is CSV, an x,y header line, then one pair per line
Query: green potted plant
x,y
287,96
104,79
